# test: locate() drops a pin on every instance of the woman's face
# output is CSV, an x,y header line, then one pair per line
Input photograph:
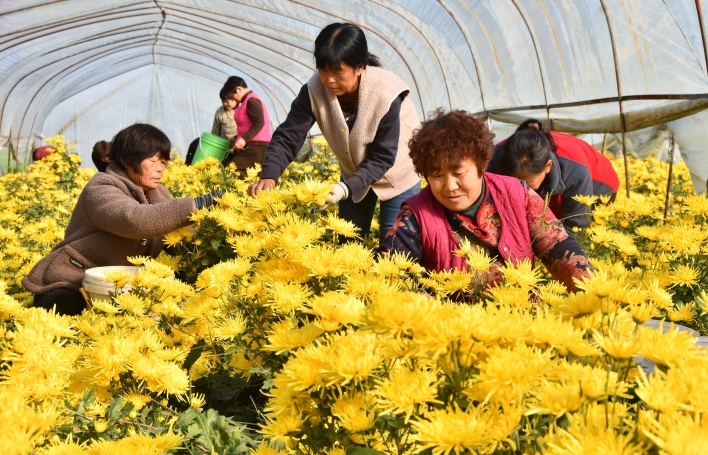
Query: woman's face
x,y
535,180
152,169
344,81
456,189
229,104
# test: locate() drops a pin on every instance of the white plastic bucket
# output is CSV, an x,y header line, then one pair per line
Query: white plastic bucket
x,y
96,285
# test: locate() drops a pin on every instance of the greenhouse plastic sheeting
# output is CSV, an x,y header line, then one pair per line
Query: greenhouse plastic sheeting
x,y
86,69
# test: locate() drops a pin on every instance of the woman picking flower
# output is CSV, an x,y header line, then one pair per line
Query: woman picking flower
x,y
121,212
500,214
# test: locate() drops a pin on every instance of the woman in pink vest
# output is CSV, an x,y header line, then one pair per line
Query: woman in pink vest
x,y
252,124
500,214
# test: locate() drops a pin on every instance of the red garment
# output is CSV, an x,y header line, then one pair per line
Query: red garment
x,y
244,122
42,152
578,150
439,241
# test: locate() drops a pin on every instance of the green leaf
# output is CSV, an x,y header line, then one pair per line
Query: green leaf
x,y
194,354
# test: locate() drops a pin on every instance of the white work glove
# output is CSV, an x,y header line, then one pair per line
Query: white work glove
x,y
338,192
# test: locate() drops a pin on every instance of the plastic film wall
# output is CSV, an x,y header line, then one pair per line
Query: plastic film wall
x,y
86,69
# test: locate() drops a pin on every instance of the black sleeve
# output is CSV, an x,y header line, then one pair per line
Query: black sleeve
x,y
381,152
254,110
289,136
577,180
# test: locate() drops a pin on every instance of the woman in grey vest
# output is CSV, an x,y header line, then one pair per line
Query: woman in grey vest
x,y
367,118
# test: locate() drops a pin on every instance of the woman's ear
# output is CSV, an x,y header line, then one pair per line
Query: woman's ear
x,y
548,167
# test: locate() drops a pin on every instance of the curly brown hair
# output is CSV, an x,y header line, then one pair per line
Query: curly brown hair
x,y
446,139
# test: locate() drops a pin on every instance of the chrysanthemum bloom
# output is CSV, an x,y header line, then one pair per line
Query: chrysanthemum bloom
x,y
340,227
642,312
664,392
353,356
267,448
367,285
282,427
684,275
310,190
138,400
354,413
513,296
665,348
585,199
583,308
111,353
293,338
404,388
530,366
579,438
335,309
131,303
386,266
598,383
24,427
230,327
303,370
677,432
287,297
249,245
448,282
617,345
140,443
296,235
550,330
682,312
160,376
557,399
353,257
443,431
522,274
399,313
281,270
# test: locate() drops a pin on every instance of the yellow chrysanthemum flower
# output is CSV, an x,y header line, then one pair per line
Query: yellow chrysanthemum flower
x,y
684,275
443,431
404,389
354,413
335,309
555,399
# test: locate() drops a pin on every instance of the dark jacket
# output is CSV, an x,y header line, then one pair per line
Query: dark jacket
x,y
113,219
566,179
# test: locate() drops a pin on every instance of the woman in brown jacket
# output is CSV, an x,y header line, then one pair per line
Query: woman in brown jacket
x,y
122,212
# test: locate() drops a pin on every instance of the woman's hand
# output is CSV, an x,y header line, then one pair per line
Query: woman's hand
x,y
261,185
240,143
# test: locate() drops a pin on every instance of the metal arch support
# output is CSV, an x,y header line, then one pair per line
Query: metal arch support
x,y
623,121
699,13
442,69
474,57
538,60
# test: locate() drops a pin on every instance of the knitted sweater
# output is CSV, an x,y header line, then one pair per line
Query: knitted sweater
x,y
378,88
113,219
224,124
